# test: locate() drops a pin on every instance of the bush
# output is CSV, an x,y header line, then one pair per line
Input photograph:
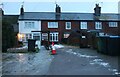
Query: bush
x,y
8,36
20,44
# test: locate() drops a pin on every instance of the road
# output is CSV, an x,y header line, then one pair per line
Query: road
x,y
69,60
75,61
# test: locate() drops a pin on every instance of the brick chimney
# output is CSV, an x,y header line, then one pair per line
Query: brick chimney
x,y
97,12
22,10
57,12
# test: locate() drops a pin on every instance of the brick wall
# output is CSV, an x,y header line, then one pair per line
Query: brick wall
x,y
76,26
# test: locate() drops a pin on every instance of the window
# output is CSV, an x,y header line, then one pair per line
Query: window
x,y
52,24
83,37
83,25
68,25
54,36
113,24
98,25
28,36
36,36
29,25
44,36
66,35
24,37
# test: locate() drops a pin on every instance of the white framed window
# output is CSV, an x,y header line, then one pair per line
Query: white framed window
x,y
36,36
98,25
29,25
54,37
68,25
52,24
28,36
66,35
44,36
113,24
83,25
83,37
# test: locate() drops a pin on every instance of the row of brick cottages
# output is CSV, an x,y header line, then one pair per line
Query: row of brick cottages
x,y
72,28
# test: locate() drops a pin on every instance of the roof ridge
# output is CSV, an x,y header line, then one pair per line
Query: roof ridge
x,y
71,13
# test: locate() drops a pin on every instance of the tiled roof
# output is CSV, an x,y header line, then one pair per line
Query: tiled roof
x,y
109,16
66,16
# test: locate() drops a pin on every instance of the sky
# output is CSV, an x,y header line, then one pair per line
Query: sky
x,y
80,6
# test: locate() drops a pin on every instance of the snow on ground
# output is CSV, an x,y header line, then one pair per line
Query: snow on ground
x,y
19,48
95,61
80,55
58,46
24,47
100,62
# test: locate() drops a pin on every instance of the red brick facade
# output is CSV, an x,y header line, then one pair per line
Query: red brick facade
x,y
75,25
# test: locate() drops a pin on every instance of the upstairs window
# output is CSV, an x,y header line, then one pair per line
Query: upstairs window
x,y
98,25
113,24
52,24
83,25
68,25
29,25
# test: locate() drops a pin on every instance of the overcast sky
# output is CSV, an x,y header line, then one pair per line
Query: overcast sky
x,y
81,6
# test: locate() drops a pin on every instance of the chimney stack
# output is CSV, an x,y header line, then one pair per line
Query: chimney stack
x,y
1,11
57,11
22,10
97,10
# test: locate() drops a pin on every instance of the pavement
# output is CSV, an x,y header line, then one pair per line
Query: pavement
x,y
69,60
